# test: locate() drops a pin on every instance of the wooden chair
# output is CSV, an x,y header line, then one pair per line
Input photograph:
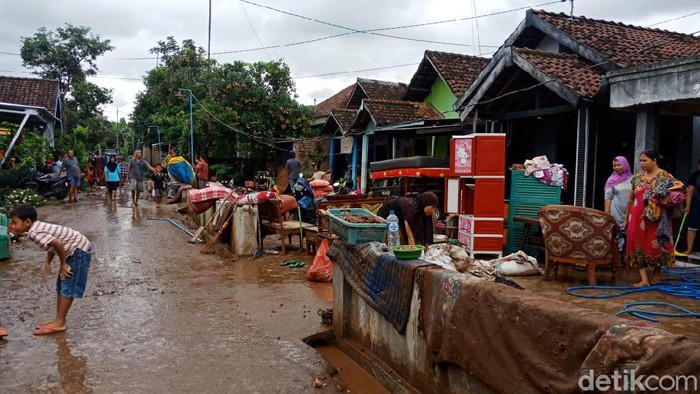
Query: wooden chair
x,y
578,235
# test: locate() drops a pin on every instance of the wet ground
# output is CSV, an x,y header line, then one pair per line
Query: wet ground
x,y
568,277
158,316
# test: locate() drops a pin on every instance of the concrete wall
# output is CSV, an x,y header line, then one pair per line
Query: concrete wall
x,y
442,99
401,363
655,83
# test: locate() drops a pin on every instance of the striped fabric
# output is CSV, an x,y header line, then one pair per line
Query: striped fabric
x,y
44,233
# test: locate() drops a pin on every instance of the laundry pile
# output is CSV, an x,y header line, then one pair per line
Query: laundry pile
x,y
547,173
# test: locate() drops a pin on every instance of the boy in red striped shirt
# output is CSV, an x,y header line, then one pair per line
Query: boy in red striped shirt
x,y
74,252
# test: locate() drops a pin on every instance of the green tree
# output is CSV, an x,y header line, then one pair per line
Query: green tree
x,y
240,110
69,55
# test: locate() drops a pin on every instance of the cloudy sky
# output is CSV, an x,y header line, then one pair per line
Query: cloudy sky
x,y
320,68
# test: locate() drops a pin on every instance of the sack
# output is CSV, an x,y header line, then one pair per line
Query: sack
x,y
322,268
288,203
319,184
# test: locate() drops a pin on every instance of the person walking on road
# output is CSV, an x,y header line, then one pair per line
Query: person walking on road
x,y
111,177
72,167
137,168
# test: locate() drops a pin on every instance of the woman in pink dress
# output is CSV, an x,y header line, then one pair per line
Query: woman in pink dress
x,y
648,221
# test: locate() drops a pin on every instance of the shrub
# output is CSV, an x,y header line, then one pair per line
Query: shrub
x,y
10,198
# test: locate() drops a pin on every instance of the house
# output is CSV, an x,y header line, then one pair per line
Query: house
x,y
335,115
547,87
31,103
421,123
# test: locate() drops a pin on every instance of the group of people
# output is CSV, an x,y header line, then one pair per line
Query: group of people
x,y
641,204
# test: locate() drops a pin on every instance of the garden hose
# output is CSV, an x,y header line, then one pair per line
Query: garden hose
x,y
681,282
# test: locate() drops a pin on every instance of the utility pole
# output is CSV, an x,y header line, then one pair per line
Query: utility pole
x,y
209,40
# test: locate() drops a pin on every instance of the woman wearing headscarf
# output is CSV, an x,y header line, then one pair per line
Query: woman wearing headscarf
x,y
617,192
112,175
648,220
415,216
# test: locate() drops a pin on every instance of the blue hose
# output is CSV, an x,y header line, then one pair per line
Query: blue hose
x,y
680,282
642,313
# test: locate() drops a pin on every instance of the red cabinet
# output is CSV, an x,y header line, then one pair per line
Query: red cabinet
x,y
476,190
478,155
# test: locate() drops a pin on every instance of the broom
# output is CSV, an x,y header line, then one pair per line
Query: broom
x,y
678,237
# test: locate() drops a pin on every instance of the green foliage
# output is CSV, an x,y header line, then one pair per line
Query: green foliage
x,y
10,198
240,109
69,55
75,142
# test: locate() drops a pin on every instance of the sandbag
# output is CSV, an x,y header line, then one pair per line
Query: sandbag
x,y
322,268
288,203
319,183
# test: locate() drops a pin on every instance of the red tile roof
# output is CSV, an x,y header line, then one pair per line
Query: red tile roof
x,y
344,117
567,69
336,101
458,71
389,112
625,45
32,92
382,90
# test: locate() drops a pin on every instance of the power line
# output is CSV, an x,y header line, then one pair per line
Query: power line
x,y
233,128
357,71
253,28
675,19
348,28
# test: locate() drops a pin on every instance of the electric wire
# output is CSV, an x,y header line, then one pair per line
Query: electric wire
x,y
234,128
250,23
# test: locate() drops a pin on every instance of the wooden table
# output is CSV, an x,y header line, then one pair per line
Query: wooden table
x,y
526,238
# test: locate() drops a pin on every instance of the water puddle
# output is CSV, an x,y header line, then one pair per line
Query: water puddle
x,y
356,379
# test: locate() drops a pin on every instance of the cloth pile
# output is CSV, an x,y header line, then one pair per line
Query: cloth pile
x,y
383,282
515,264
547,173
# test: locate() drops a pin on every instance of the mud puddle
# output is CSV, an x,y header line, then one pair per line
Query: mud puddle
x,y
356,379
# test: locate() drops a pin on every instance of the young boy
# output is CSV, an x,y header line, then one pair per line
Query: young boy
x,y
74,252
159,183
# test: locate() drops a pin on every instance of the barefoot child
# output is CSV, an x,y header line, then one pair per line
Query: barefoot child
x,y
74,253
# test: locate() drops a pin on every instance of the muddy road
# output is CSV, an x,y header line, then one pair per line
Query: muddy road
x,y
158,316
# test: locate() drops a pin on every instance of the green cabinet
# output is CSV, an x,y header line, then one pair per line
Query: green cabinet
x,y
527,195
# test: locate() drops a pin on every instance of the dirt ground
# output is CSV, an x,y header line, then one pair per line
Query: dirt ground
x,y
158,316
568,277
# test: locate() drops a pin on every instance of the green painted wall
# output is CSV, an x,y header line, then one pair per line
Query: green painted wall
x,y
442,99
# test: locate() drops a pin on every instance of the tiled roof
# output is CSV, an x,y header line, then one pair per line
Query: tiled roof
x,y
625,45
389,112
29,91
567,69
344,117
336,101
458,71
382,90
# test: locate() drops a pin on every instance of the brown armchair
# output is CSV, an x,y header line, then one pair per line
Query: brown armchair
x,y
578,235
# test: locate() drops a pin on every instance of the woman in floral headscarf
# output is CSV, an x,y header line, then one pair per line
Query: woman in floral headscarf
x,y
617,192
649,237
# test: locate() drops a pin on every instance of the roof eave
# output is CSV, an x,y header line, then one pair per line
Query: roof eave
x,y
565,39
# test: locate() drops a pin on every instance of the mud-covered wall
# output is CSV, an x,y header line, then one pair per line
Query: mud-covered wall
x,y
392,359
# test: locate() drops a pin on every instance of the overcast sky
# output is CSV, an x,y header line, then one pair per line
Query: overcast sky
x,y
134,26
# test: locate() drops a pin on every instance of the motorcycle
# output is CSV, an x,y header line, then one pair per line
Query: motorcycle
x,y
49,185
